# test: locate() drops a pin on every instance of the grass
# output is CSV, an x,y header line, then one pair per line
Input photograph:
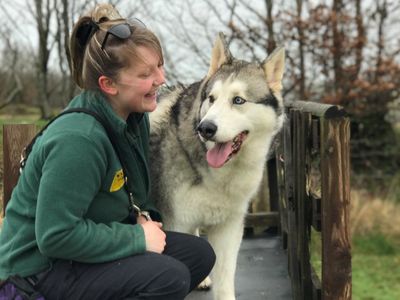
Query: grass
x,y
371,214
375,227
376,268
371,279
376,243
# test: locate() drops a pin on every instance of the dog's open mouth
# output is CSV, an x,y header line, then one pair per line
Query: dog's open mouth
x,y
221,153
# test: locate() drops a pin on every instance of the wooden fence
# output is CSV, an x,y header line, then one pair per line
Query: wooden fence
x,y
309,187
312,165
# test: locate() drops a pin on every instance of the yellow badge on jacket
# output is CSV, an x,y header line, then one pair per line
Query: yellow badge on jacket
x,y
118,181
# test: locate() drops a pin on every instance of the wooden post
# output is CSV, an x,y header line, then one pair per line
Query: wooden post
x,y
303,203
273,185
282,203
15,138
287,181
336,247
291,184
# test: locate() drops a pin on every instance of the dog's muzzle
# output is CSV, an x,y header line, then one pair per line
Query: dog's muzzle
x,y
207,129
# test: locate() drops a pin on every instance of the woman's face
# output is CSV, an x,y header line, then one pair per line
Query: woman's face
x,y
137,86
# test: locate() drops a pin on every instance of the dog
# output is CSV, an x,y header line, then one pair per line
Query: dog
x,y
208,144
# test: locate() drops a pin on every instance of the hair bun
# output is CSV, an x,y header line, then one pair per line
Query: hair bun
x,y
104,13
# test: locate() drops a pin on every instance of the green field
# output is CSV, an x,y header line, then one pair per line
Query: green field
x,y
376,268
375,265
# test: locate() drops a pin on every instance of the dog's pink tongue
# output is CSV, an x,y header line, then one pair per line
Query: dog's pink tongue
x,y
218,155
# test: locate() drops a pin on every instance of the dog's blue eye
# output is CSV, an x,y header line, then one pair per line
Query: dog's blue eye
x,y
238,100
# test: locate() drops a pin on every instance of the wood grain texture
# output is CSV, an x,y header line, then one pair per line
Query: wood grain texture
x,y
336,239
15,138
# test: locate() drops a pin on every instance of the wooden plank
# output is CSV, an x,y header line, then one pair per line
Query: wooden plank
x,y
273,184
301,138
335,206
293,263
15,138
282,204
262,219
318,109
298,172
288,155
304,207
290,170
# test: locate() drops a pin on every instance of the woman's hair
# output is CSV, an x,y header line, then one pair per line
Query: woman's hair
x,y
89,60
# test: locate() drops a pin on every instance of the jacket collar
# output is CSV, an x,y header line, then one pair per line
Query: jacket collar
x,y
96,101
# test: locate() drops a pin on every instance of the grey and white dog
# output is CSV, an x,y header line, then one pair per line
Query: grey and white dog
x,y
209,144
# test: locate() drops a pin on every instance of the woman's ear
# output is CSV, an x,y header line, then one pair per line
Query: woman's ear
x,y
107,85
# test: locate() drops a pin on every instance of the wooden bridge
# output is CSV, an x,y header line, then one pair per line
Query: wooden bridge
x,y
309,202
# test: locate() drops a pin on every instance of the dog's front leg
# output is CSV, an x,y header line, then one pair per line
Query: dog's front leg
x,y
225,239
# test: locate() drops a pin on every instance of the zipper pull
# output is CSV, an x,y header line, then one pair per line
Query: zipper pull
x,y
136,209
133,207
146,215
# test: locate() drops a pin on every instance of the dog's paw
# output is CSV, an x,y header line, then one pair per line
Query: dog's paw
x,y
205,285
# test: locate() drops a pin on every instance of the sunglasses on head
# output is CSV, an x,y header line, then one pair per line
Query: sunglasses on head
x,y
122,31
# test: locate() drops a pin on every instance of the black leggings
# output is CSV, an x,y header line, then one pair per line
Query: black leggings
x,y
185,262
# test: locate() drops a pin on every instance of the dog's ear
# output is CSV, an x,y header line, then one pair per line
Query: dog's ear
x,y
274,66
220,54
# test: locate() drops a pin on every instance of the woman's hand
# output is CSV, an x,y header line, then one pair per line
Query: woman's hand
x,y
155,237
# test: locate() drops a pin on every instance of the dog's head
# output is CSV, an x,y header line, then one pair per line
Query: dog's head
x,y
241,101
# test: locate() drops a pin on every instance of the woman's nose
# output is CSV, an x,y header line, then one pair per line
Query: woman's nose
x,y
160,80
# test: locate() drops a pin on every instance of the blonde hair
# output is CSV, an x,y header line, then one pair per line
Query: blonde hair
x,y
89,61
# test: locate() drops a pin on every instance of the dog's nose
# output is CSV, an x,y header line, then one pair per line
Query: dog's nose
x,y
207,129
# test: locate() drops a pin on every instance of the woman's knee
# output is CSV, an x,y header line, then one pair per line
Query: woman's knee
x,y
173,282
206,253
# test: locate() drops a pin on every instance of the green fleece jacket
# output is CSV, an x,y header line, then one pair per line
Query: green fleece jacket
x,y
70,202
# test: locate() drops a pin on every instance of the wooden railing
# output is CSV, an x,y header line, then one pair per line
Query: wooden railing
x,y
313,179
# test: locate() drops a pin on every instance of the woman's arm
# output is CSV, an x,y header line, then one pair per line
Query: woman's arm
x,y
71,177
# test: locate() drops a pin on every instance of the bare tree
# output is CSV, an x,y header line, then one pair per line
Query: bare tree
x,y
337,44
11,81
301,42
382,15
42,12
361,38
269,22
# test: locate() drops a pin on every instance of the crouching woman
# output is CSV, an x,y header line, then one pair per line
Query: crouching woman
x,y
71,228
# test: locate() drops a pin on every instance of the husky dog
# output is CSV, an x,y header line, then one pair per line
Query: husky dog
x,y
209,144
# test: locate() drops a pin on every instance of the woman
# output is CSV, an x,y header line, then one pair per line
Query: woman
x,y
68,229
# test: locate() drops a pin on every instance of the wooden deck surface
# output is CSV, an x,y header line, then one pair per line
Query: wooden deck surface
x,y
261,271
